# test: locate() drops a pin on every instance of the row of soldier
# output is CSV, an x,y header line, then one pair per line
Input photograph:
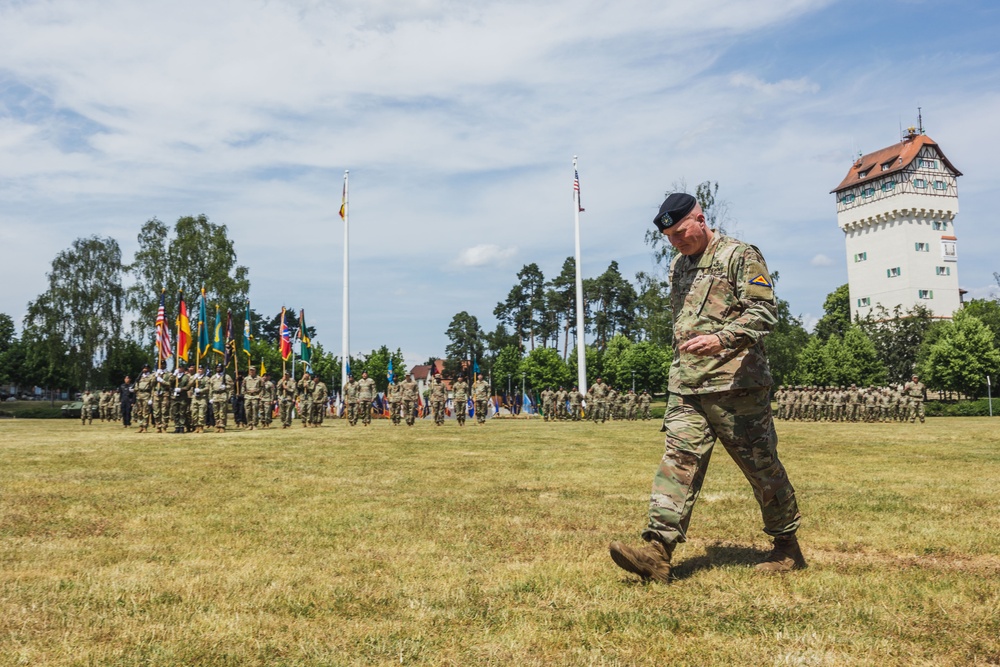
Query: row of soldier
x,y
605,402
892,403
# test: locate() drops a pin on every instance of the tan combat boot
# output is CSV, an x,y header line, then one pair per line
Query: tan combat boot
x,y
785,556
649,562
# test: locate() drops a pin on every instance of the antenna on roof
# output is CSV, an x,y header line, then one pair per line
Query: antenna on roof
x,y
920,121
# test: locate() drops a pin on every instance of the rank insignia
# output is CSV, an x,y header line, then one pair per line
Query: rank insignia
x,y
760,281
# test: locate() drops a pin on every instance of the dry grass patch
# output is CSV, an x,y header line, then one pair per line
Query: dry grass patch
x,y
448,546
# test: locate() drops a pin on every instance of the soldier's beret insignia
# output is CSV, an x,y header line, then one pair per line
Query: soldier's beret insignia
x,y
760,281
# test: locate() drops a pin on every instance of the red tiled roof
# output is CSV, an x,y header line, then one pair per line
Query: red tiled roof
x,y
898,157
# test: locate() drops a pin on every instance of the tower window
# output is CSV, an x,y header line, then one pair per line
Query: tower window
x,y
940,185
864,302
922,247
847,199
925,293
888,185
919,183
894,272
927,164
868,192
862,174
939,226
942,270
860,256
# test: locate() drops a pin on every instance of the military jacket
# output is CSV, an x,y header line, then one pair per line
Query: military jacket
x,y
366,389
460,390
286,389
144,387
162,384
437,391
481,390
726,291
645,398
599,391
182,386
319,392
409,390
253,385
351,390
915,390
269,392
395,393
221,386
199,387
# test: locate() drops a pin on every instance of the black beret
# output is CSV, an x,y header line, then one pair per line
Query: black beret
x,y
673,209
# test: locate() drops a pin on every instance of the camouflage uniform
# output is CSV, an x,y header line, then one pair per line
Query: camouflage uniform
x,y
351,397
437,399
199,401
460,399
305,388
221,387
645,400
725,291
161,400
595,400
548,403
144,399
267,398
575,404
286,397
180,401
409,391
87,409
561,396
320,395
630,405
366,393
253,388
395,396
915,391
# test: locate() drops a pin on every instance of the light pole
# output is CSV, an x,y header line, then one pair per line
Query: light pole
x,y
522,390
633,380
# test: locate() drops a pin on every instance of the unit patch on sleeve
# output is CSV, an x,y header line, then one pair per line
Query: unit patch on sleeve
x,y
761,281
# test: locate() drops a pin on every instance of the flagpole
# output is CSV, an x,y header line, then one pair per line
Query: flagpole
x,y
581,352
177,350
346,333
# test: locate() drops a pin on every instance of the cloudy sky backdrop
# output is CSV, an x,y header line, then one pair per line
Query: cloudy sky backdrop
x,y
458,122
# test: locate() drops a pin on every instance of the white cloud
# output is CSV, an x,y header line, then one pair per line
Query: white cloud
x,y
821,260
484,255
799,86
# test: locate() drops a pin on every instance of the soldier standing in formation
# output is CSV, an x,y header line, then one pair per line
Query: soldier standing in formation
x,y
460,399
351,397
395,396
221,386
723,305
480,398
87,409
575,404
366,393
200,392
253,388
438,397
645,400
305,392
320,395
267,398
915,390
595,400
409,392
548,403
144,398
286,398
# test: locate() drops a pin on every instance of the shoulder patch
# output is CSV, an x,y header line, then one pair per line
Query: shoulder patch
x,y
761,281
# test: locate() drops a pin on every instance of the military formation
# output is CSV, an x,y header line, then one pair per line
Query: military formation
x,y
892,403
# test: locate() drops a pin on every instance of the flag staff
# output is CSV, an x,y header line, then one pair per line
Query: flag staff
x,y
581,352
346,333
177,352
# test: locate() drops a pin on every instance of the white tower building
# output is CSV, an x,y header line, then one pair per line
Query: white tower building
x,y
897,209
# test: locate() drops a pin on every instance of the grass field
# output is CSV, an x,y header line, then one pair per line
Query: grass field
x,y
486,546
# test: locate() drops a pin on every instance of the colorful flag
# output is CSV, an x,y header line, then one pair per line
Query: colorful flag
x,y
306,352
229,338
246,331
389,374
204,344
183,331
262,369
475,367
218,342
576,190
163,331
286,337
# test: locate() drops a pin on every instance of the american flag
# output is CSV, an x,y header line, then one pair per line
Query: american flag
x,y
576,189
163,331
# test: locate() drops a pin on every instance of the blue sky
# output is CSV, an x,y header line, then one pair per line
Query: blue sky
x,y
459,121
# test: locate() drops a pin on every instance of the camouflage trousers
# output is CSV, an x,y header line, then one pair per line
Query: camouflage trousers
x,y
286,411
394,412
481,410
305,410
409,411
437,408
742,420
161,410
141,411
916,410
220,409
252,406
318,412
199,411
462,409
179,412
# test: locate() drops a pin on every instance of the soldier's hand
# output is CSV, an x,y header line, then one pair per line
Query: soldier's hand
x,y
702,346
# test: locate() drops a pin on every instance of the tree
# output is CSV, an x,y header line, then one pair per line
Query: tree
x,y
988,311
614,374
200,254
837,314
897,336
962,357
654,320
81,312
507,363
544,368
812,367
467,340
7,333
853,359
785,342
595,365
613,305
561,300
651,365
